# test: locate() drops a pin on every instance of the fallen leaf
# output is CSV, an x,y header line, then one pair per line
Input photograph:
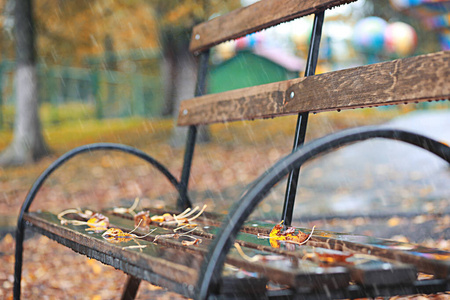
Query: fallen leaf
x,y
326,257
191,243
395,221
276,236
95,265
181,219
98,221
142,218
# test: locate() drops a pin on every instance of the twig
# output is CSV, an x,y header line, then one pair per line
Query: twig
x,y
130,210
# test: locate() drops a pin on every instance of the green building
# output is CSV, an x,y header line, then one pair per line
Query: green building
x,y
254,67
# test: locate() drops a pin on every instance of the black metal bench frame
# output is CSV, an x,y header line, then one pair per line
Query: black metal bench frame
x,y
244,207
209,277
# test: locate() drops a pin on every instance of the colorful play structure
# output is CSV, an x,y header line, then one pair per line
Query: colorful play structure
x,y
434,14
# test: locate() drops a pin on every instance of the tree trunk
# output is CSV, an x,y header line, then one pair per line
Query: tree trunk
x,y
28,143
185,89
180,77
169,74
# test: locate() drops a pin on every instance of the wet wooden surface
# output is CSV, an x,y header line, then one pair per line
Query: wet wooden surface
x,y
258,16
415,79
426,260
331,260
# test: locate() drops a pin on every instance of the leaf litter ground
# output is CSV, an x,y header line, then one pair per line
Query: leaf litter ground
x,y
108,180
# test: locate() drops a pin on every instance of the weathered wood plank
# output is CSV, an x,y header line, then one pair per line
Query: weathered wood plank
x,y
425,259
157,259
415,79
368,270
169,256
258,16
170,261
364,269
175,268
282,270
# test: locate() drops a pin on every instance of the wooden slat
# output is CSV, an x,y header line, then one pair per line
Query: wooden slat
x,y
369,271
374,271
425,259
258,16
174,268
171,262
280,271
157,258
415,79
168,263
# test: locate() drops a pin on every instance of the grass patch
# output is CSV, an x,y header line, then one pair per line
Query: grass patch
x,y
76,126
72,124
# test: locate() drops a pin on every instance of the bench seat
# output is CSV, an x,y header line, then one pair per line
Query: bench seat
x,y
372,266
233,261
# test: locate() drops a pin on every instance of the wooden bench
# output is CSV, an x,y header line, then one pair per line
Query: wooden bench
x,y
329,265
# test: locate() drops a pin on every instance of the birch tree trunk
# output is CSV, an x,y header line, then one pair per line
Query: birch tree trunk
x,y
28,144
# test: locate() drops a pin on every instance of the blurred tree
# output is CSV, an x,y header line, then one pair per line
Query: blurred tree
x,y
28,145
6,32
176,20
179,68
70,31
6,45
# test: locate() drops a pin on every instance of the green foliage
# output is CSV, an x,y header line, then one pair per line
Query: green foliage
x,y
76,125
51,115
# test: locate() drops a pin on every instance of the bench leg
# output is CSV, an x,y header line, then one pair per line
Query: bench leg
x,y
131,288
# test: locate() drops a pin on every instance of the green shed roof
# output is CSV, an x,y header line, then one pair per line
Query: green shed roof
x,y
247,69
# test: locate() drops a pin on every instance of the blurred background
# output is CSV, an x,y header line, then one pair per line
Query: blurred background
x,y
116,71
113,59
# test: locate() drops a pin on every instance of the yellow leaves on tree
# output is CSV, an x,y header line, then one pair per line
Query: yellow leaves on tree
x,y
185,13
72,30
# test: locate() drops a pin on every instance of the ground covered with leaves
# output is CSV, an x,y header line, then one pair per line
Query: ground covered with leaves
x,y
237,155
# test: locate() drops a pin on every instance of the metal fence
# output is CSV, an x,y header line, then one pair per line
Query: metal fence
x,y
112,94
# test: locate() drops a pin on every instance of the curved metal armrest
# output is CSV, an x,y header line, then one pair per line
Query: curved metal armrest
x,y
211,270
58,163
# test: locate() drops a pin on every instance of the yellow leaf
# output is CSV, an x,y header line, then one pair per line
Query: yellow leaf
x,y
8,239
96,267
157,219
395,221
287,235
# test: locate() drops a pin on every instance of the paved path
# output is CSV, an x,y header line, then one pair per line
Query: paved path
x,y
381,176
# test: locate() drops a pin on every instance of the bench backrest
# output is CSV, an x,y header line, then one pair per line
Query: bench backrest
x,y
256,17
421,78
